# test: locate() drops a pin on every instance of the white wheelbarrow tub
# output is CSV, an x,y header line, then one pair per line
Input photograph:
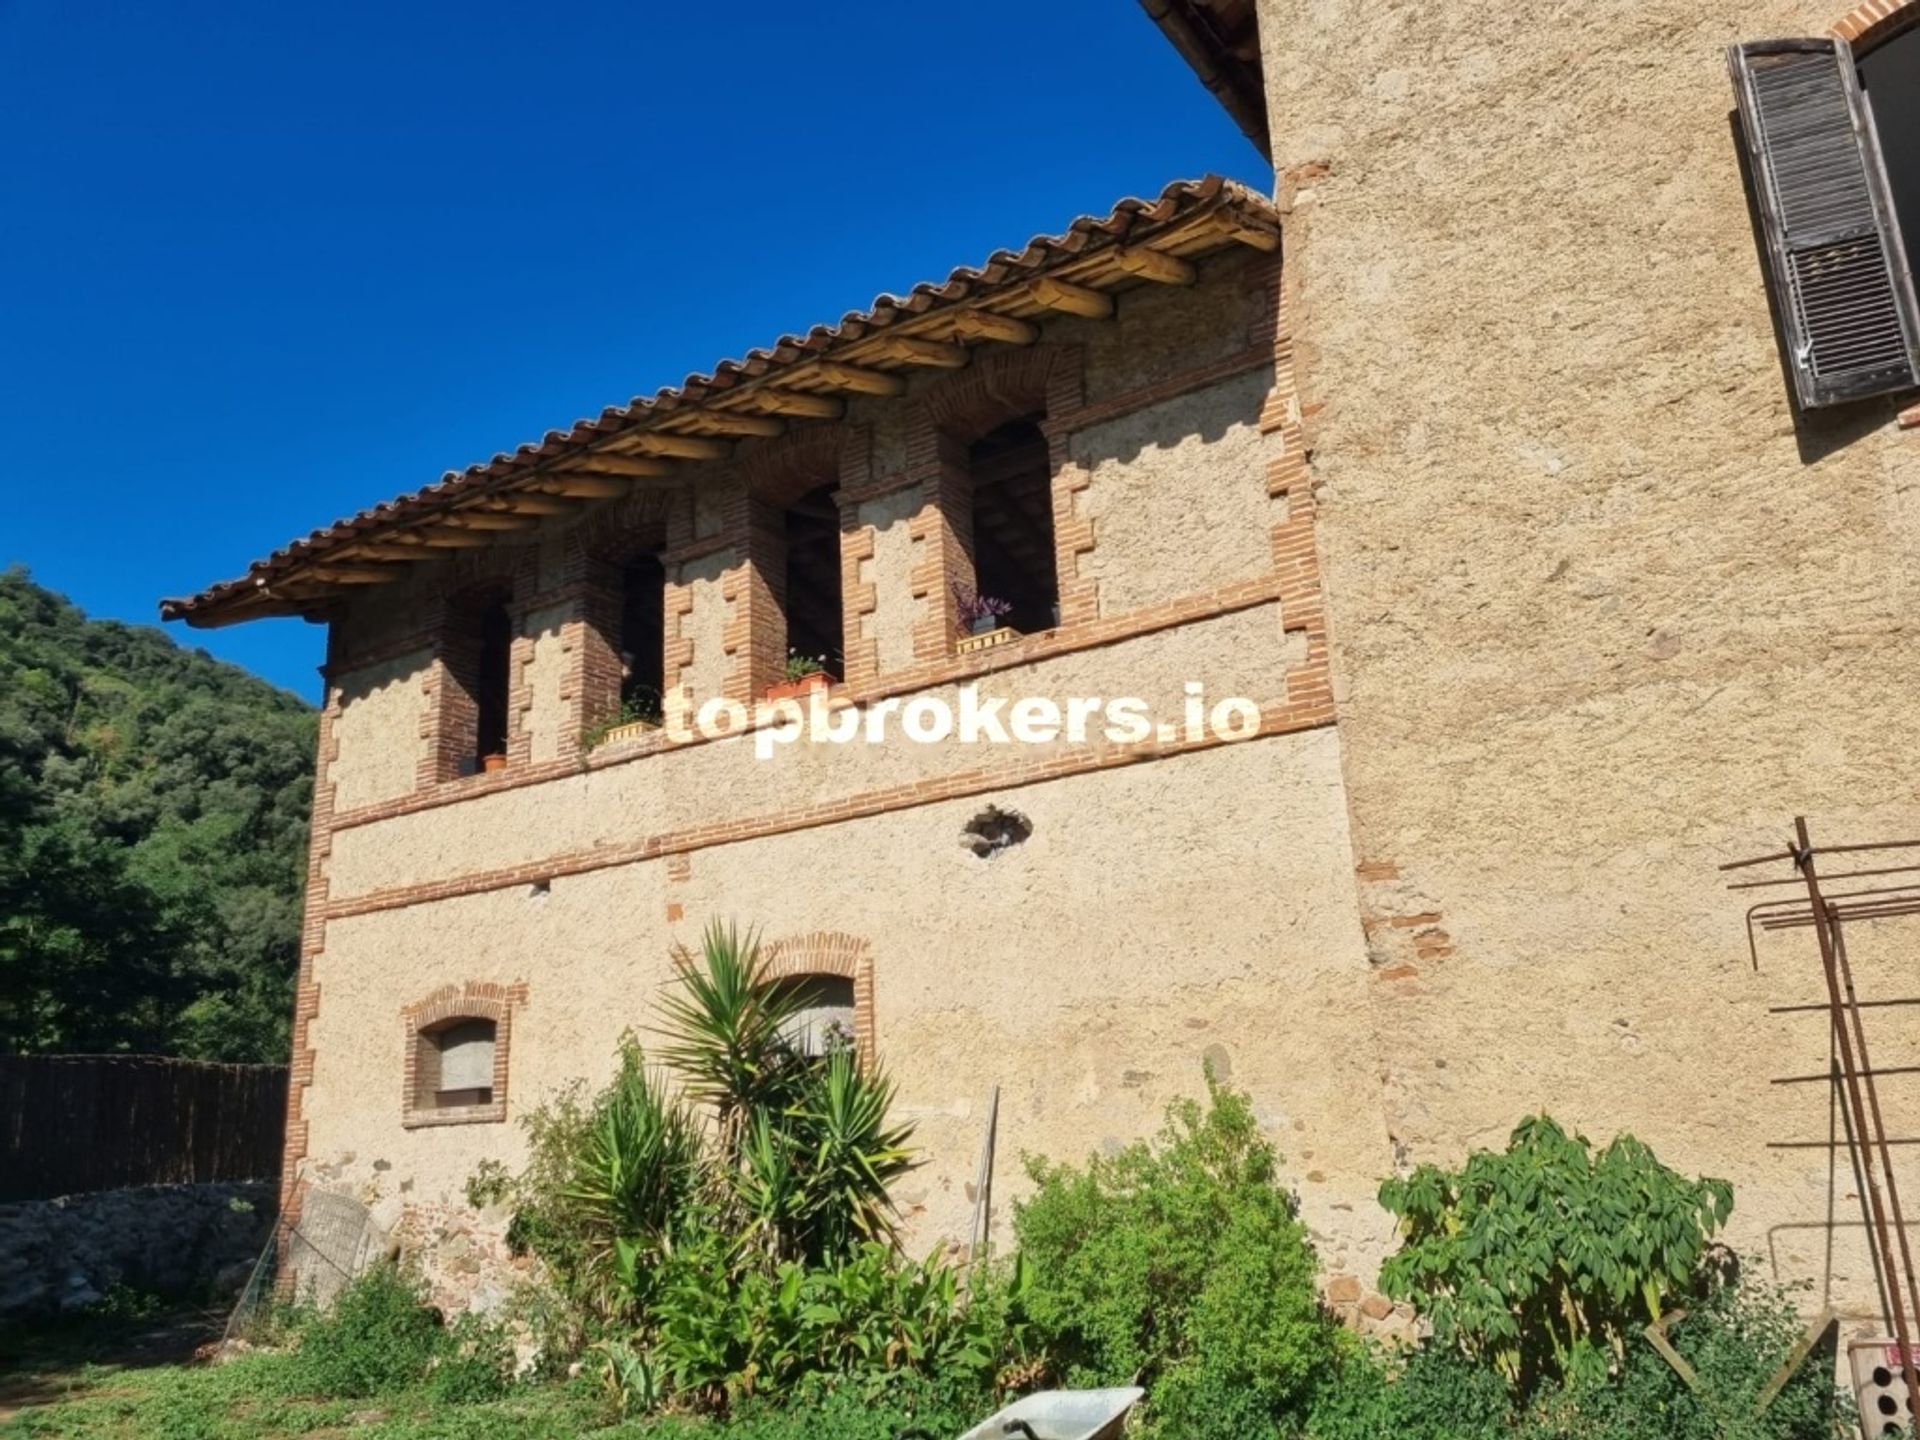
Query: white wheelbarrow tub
x,y
1060,1415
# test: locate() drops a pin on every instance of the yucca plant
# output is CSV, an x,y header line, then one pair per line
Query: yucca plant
x,y
722,1023
849,1156
637,1172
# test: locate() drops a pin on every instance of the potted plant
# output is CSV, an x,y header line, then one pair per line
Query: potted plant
x,y
639,714
804,673
493,764
982,618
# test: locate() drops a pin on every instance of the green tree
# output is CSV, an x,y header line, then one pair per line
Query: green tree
x,y
153,814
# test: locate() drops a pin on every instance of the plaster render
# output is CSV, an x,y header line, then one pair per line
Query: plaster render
x,y
382,710
549,715
890,572
1606,613
706,624
1088,990
1178,495
1245,653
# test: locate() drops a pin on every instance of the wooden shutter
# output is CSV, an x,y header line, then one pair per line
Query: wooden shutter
x,y
466,1056
1839,270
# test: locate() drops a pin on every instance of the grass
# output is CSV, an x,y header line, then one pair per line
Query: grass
x,y
133,1378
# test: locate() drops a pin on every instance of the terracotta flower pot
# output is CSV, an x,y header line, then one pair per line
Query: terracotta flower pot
x,y
793,689
493,764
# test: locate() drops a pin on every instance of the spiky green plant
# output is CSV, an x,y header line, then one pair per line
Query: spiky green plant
x,y
722,1021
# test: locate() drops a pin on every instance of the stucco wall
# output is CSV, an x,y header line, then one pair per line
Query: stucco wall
x,y
1604,614
890,572
706,624
382,708
548,716
1243,654
1087,972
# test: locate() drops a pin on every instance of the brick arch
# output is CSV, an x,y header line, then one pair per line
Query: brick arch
x,y
475,1000
1873,21
785,468
613,534
831,952
1003,385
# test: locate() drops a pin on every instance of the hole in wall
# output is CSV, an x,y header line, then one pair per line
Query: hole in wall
x,y
539,890
994,830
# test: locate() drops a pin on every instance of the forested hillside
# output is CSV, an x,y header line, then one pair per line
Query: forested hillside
x,y
153,814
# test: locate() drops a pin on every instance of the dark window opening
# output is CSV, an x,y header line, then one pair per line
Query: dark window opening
x,y
493,671
1890,74
1013,524
456,1064
822,1024
643,640
812,588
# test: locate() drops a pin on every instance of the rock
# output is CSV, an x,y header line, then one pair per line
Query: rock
x,y
1343,1290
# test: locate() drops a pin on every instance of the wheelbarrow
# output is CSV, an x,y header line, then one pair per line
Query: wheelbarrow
x,y
1060,1415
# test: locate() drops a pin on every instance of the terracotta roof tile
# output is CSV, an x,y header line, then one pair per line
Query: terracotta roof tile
x,y
1002,278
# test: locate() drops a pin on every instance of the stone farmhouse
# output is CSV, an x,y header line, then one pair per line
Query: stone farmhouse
x,y
1534,462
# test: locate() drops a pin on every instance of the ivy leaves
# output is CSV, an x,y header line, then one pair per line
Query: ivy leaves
x,y
1539,1259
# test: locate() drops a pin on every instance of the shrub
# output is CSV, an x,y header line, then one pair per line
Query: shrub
x,y
380,1336
474,1362
1735,1339
1431,1393
1540,1260
1180,1264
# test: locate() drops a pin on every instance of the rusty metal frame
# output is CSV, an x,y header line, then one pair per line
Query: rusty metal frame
x,y
1867,1135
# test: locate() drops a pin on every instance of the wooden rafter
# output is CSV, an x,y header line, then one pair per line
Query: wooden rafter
x,y
445,537
584,487
355,574
859,379
910,350
985,325
736,422
796,403
684,447
525,502
1070,298
620,464
484,520
388,550
1151,264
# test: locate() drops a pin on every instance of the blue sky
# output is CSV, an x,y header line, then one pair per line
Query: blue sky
x,y
261,266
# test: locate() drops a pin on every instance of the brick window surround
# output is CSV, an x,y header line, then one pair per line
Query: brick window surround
x,y
1045,380
829,952
425,1018
452,713
1874,21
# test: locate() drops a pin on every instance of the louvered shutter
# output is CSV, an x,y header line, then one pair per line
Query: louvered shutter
x,y
1840,272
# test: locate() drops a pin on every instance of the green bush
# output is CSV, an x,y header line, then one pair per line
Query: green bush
x,y
1431,1393
1542,1259
474,1362
1180,1265
379,1336
1735,1339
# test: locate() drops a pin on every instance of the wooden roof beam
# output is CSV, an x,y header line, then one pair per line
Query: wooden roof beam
x,y
911,351
797,403
861,381
443,537
682,447
620,465
1073,299
1150,264
584,487
387,550
353,574
985,325
488,520
521,502
734,422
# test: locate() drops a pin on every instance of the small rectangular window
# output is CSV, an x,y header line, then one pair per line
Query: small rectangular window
x,y
1839,270
465,1070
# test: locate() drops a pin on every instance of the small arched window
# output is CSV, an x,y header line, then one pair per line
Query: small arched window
x,y
823,1023
455,1064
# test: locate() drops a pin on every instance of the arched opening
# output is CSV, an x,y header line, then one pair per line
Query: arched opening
x,y
823,1022
492,676
455,1064
1013,557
